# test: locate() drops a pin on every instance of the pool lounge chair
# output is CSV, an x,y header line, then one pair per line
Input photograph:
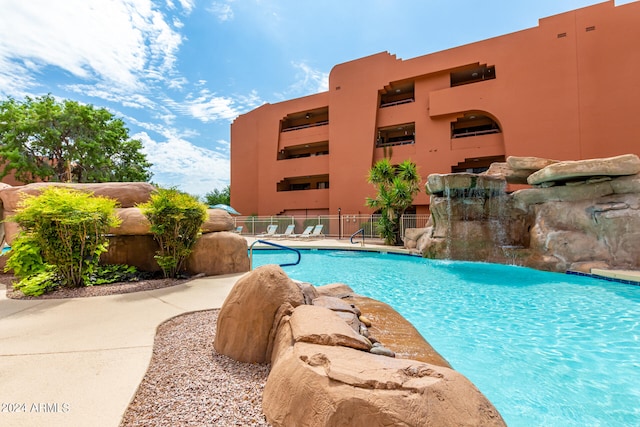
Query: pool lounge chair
x,y
238,229
317,232
307,231
271,230
287,233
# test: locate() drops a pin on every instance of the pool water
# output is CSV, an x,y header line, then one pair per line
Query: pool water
x,y
547,349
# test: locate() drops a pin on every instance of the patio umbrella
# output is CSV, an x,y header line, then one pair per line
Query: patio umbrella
x,y
226,208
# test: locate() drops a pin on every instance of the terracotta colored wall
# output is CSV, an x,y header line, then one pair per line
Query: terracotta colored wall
x,y
565,89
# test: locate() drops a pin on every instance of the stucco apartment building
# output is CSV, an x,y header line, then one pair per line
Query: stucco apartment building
x,y
567,89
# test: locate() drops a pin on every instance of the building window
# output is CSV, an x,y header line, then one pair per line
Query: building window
x,y
396,94
305,119
477,73
304,150
396,135
473,125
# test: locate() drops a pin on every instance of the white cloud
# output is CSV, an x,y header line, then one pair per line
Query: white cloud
x,y
309,80
178,163
187,5
209,107
119,42
222,10
15,79
107,93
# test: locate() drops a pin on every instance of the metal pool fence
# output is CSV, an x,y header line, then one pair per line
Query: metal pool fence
x,y
334,226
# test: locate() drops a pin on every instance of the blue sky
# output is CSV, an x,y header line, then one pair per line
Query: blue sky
x,y
179,71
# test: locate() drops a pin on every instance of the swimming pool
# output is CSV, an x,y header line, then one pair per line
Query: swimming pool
x,y
547,349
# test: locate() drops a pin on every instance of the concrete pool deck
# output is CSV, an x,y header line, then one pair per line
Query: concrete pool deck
x,y
78,362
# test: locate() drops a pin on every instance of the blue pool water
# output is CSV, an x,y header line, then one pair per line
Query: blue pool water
x,y
547,349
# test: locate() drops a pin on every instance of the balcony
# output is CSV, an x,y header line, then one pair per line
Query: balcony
x,y
305,119
304,183
397,93
473,74
304,150
403,134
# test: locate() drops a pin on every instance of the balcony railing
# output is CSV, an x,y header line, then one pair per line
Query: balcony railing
x,y
399,102
306,125
474,133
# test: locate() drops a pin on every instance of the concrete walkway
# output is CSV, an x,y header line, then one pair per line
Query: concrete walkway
x,y
78,362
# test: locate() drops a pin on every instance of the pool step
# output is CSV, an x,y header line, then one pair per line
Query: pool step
x,y
630,277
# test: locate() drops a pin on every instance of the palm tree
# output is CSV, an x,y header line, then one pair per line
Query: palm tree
x,y
397,185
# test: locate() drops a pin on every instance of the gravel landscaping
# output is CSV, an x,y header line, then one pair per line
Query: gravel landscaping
x,y
189,384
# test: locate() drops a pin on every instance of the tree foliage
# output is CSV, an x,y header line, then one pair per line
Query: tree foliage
x,y
176,219
69,229
396,187
216,196
42,139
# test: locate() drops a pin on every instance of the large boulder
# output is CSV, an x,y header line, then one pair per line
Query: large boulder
x,y
321,385
533,196
412,235
134,223
137,251
321,325
529,163
218,220
627,164
251,313
464,184
128,194
218,253
512,176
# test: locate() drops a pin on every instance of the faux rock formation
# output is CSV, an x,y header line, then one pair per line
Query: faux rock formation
x,y
316,385
217,251
528,163
325,373
128,194
628,164
247,318
579,213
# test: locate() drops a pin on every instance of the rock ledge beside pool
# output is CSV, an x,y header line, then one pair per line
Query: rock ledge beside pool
x,y
322,344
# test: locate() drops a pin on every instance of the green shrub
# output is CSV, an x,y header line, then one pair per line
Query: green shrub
x,y
38,283
25,257
112,273
69,227
176,219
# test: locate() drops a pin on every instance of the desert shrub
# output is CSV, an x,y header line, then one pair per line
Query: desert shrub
x,y
25,257
176,219
69,227
38,283
112,273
